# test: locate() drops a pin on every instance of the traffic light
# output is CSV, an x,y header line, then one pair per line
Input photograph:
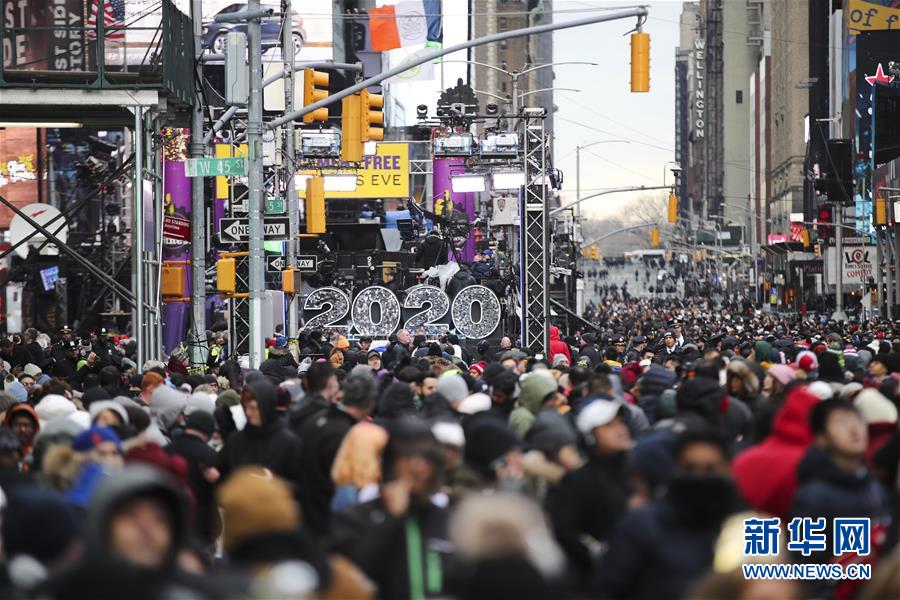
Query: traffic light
x,y
804,237
351,143
370,113
654,237
826,215
172,282
290,281
226,276
640,62
595,252
673,208
881,211
312,80
315,204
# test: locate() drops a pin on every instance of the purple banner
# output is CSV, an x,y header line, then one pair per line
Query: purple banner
x,y
462,202
177,203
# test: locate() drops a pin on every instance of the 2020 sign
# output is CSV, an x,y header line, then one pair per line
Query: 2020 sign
x,y
376,311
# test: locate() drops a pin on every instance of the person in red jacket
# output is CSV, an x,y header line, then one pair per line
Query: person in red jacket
x,y
766,474
557,346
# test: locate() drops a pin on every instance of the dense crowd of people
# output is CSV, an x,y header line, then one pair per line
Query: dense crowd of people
x,y
621,463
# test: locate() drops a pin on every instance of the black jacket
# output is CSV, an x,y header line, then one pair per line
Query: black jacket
x,y
590,352
271,445
322,434
824,490
589,500
652,554
199,456
377,543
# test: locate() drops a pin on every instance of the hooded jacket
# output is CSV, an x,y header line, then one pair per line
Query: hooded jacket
x,y
166,405
101,574
535,388
23,408
652,384
270,445
557,346
766,474
397,400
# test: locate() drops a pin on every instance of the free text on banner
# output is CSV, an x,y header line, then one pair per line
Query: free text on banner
x,y
382,175
866,16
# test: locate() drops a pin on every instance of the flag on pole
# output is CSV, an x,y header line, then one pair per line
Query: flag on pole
x,y
407,23
113,16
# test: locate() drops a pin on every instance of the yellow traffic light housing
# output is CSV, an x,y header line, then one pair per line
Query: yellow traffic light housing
x,y
371,113
351,143
881,211
595,252
654,237
290,281
640,62
172,282
315,204
804,237
312,80
226,276
672,211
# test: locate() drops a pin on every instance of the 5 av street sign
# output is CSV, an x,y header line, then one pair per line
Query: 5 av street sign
x,y
234,231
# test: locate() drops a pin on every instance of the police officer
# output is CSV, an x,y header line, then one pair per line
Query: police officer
x,y
636,352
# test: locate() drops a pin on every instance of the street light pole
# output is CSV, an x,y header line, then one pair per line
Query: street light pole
x,y
291,201
198,209
257,266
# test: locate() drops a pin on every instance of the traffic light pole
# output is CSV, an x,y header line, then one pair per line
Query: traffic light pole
x,y
197,339
257,266
639,12
290,194
839,314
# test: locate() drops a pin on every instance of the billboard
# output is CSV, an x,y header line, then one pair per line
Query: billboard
x,y
19,168
312,23
857,265
384,174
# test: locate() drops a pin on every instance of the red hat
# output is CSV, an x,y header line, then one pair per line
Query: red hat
x,y
478,367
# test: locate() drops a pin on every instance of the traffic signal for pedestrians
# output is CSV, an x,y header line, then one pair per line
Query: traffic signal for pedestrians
x,y
640,62
881,211
654,237
312,80
172,282
371,113
351,143
290,281
672,212
226,276
315,204
826,215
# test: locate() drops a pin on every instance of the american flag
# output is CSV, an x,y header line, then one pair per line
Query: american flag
x,y
113,16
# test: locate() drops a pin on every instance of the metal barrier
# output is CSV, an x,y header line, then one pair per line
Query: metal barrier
x,y
86,46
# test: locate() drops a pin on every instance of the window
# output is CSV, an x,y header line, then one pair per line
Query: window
x,y
739,96
502,86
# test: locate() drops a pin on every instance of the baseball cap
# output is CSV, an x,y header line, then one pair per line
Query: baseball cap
x,y
638,339
597,414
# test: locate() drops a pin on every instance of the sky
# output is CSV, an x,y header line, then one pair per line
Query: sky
x,y
604,109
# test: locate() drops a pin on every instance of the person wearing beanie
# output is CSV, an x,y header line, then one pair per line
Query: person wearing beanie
x,y
109,413
322,434
134,529
552,444
880,416
538,392
193,446
30,558
263,529
591,499
452,387
477,369
396,538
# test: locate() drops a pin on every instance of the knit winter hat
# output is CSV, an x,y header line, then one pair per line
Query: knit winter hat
x,y
91,438
39,523
255,501
228,398
782,373
452,387
807,361
874,407
101,405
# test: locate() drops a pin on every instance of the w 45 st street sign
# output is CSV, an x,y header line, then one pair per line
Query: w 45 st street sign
x,y
215,167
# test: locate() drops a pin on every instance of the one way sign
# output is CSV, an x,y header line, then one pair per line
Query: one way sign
x,y
233,231
307,263
275,264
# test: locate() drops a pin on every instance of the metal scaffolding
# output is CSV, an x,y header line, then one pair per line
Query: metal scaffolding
x,y
534,238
